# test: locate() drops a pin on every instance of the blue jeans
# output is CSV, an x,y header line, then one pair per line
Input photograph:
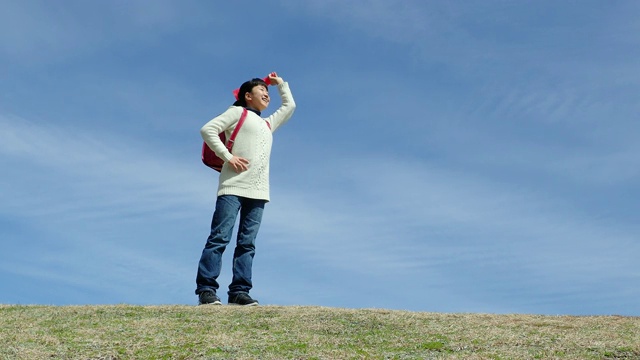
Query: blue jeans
x,y
224,218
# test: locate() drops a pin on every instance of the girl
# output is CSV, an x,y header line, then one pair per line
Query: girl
x,y
243,186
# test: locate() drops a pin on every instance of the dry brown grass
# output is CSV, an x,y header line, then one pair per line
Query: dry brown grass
x,y
271,332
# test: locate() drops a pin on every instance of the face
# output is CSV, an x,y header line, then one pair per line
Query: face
x,y
258,98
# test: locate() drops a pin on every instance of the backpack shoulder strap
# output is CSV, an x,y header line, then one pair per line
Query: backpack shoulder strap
x,y
232,139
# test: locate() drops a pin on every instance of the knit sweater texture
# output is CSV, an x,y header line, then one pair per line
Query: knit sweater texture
x,y
253,142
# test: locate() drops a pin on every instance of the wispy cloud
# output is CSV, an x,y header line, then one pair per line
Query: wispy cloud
x,y
437,224
414,219
447,157
96,204
44,32
107,169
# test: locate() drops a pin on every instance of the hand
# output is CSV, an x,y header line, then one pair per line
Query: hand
x,y
239,164
274,79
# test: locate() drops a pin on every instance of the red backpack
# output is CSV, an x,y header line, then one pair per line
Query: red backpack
x,y
210,158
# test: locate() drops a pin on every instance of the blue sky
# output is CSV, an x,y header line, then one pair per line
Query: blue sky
x,y
445,156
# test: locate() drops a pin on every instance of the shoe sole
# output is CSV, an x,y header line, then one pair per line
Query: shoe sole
x,y
211,303
252,304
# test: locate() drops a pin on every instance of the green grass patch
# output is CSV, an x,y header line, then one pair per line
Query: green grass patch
x,y
272,332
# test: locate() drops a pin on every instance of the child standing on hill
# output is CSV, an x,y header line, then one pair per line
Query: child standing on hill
x,y
243,186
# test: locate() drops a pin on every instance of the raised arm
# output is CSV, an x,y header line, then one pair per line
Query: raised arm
x,y
284,112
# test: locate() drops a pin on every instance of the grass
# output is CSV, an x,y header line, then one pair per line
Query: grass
x,y
272,332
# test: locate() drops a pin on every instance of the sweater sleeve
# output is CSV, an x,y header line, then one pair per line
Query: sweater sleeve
x,y
284,112
223,122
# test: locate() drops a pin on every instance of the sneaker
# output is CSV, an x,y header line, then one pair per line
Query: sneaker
x,y
242,299
208,297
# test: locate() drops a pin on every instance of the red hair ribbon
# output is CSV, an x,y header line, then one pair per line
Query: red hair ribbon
x,y
236,92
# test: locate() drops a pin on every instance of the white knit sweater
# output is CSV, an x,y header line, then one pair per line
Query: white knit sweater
x,y
253,142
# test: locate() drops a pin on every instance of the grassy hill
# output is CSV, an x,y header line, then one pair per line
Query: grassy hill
x,y
271,332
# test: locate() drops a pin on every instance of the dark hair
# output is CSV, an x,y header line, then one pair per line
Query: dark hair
x,y
246,87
